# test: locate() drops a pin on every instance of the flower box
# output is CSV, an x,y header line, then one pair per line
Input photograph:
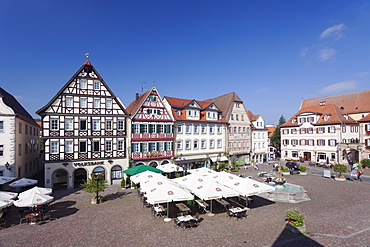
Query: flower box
x,y
339,179
296,229
303,173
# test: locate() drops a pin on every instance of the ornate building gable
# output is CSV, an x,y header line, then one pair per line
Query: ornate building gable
x,y
85,93
149,107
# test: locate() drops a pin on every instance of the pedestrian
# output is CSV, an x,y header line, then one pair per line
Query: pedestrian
x,y
291,171
359,173
245,166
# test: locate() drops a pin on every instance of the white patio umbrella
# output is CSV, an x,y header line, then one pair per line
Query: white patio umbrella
x,y
210,190
144,176
33,200
23,182
7,195
168,168
5,203
168,192
152,183
203,171
190,179
245,186
36,189
4,180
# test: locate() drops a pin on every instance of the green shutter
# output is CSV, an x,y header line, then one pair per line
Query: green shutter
x,y
149,128
141,129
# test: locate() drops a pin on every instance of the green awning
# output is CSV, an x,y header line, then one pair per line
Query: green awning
x,y
141,168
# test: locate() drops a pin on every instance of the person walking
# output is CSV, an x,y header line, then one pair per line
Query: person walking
x,y
359,173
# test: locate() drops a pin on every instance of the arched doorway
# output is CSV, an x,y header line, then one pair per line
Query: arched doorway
x,y
80,174
60,179
153,163
116,173
165,162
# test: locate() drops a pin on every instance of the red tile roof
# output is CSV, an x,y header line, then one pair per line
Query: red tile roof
x,y
181,104
135,105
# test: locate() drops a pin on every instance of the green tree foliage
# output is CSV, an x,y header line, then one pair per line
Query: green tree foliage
x,y
275,139
96,184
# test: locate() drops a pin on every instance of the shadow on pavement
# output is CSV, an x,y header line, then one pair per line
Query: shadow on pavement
x,y
287,238
116,195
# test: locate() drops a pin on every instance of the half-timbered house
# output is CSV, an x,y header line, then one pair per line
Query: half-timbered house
x,y
152,130
84,131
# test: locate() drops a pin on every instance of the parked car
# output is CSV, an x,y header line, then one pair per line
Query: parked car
x,y
292,165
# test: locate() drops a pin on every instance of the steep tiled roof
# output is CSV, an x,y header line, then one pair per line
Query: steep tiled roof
x,y
251,116
355,102
270,130
18,109
134,106
336,115
225,103
180,104
365,119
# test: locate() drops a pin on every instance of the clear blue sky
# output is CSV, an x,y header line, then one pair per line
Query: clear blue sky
x,y
272,53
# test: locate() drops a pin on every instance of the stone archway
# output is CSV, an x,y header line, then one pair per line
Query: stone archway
x,y
80,174
153,163
60,179
165,162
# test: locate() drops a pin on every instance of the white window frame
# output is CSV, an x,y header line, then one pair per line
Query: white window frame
x,y
83,102
120,124
211,144
187,144
96,85
108,104
69,101
68,147
203,144
96,125
96,103
108,146
54,124
108,124
83,84
179,145
69,124
54,147
120,145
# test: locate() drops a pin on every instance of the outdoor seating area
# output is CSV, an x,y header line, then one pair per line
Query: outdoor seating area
x,y
183,199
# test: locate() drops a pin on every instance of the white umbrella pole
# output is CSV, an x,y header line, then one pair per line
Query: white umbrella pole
x,y
210,214
168,219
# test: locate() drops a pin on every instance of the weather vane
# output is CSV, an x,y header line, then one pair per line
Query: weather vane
x,y
87,55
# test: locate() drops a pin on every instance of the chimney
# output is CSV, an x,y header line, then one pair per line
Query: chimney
x,y
137,96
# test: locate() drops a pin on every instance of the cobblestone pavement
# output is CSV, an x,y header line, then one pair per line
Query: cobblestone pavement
x,y
337,215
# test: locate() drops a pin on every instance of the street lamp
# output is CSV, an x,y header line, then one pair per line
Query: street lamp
x,y
7,165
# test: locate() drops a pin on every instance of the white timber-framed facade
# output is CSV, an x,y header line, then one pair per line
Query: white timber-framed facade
x,y
85,129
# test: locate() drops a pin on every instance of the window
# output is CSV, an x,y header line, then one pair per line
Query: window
x,y
332,142
242,117
187,129
303,131
293,131
151,128
331,129
294,154
321,130
120,125
203,129
237,105
1,150
219,130
120,145
160,146
83,102
321,142
108,146
232,116
285,142
219,143
152,146
179,144
310,130
20,128
83,84
96,103
69,124
195,129
310,142
153,98
203,144
211,143
187,144
179,128
135,147
82,147
195,144
54,124
108,124
285,131
96,85
144,147
108,104
54,147
344,129
68,147
116,172
237,117
160,128
1,126
19,149
26,129
211,130
96,125
302,142
168,146
69,101
83,124
96,146
321,156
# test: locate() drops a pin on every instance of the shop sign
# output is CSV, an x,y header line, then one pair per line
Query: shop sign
x,y
89,163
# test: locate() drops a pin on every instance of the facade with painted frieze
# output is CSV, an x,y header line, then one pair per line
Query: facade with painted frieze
x,y
152,138
85,128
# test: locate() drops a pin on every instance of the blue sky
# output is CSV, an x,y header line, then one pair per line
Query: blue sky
x,y
272,53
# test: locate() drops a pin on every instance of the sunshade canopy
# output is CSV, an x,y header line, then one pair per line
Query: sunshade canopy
x,y
4,180
168,168
141,168
23,182
144,176
38,190
33,200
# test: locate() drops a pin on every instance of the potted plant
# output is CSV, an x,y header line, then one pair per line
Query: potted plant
x,y
285,170
123,183
302,170
295,221
365,163
95,184
340,168
279,181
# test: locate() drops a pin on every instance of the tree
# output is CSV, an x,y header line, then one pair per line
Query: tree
x,y
275,139
95,184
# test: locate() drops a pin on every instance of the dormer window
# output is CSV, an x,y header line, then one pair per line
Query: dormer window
x,y
322,103
346,117
178,113
294,120
326,117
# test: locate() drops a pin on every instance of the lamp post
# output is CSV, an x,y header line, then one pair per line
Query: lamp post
x,y
7,165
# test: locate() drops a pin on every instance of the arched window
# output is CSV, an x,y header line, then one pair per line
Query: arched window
x,y
116,172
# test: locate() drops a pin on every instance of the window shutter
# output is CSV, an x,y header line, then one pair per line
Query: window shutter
x,y
141,129
328,129
323,130
366,127
149,128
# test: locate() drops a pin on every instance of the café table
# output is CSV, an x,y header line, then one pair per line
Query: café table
x,y
182,207
158,210
186,218
32,217
202,204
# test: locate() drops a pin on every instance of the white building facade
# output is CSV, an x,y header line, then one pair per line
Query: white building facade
x,y
200,132
19,139
260,149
